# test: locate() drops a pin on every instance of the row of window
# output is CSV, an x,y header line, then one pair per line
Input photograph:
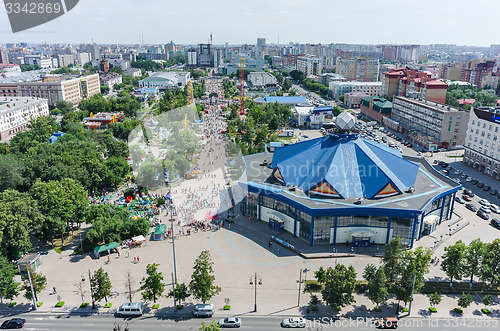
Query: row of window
x,y
490,127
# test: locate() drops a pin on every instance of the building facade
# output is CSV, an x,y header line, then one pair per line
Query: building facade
x,y
68,88
3,56
353,99
262,79
482,148
16,113
166,79
309,65
338,88
43,61
376,108
358,69
430,123
110,79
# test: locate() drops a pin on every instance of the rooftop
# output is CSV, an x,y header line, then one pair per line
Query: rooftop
x,y
283,100
432,105
10,104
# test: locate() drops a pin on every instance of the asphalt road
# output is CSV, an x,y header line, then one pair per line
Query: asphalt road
x,y
47,322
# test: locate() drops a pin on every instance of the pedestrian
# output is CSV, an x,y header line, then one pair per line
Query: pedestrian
x,y
134,259
278,251
54,289
137,259
270,244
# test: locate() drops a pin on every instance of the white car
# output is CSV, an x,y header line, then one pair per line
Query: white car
x,y
294,322
230,322
485,209
484,202
457,172
469,179
495,209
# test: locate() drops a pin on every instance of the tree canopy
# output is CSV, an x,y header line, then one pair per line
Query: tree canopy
x,y
202,285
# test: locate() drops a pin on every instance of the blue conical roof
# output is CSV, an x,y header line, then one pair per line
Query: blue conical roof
x,y
346,166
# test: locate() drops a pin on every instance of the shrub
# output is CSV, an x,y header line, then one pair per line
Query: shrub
x,y
377,309
179,307
227,307
12,304
60,304
485,311
84,305
314,300
156,305
404,309
39,304
108,305
458,310
338,308
432,310
314,308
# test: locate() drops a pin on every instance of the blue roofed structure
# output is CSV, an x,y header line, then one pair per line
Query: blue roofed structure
x,y
55,137
288,100
324,109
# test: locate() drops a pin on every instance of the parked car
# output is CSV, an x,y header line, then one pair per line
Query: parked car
x,y
484,202
230,322
444,171
294,322
387,323
469,193
480,185
482,214
435,162
486,188
466,197
485,209
15,323
495,209
457,172
460,200
471,207
469,179
493,192
495,223
474,181
464,176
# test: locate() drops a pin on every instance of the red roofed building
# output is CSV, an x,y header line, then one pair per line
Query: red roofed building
x,y
406,81
463,102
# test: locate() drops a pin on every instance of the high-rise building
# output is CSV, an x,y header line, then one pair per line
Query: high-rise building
x,y
261,43
16,113
3,56
358,69
65,60
309,65
192,62
482,145
218,58
204,56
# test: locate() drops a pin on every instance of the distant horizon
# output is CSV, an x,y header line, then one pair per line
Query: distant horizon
x,y
362,22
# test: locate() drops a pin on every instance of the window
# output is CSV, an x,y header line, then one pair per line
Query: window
x,y
472,122
484,125
488,135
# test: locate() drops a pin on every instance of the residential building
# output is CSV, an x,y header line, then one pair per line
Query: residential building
x,y
402,53
359,69
172,48
154,56
261,43
326,78
235,66
71,88
8,90
430,123
262,79
204,56
481,74
289,60
132,72
16,113
338,88
104,65
65,60
218,58
376,108
3,56
166,79
43,61
192,58
111,63
482,147
353,99
82,58
309,65
110,79
451,71
92,49
406,81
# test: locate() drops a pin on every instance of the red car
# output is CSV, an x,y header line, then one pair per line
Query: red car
x,y
466,197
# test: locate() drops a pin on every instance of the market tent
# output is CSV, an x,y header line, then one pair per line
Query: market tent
x,y
104,248
159,232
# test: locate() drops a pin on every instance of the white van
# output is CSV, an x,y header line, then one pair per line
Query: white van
x,y
205,310
130,309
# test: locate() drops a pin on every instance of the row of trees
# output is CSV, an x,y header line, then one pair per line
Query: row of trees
x,y
9,288
484,97
476,259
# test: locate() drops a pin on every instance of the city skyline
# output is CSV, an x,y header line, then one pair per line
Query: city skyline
x,y
356,22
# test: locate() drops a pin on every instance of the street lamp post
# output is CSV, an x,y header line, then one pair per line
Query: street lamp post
x,y
28,270
91,290
254,280
335,253
171,208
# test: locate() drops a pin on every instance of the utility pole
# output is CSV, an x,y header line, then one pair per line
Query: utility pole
x,y
91,290
31,286
412,290
173,291
300,283
171,207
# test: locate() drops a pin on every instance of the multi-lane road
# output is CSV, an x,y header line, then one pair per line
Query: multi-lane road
x,y
59,322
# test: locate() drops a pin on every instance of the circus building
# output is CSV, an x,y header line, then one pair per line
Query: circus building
x,y
341,188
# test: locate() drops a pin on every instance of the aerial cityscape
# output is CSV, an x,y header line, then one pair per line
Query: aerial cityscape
x,y
254,172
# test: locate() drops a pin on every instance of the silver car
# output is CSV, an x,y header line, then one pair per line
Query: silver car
x,y
230,322
294,322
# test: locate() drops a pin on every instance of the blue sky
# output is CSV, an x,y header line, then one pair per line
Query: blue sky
x,y
316,21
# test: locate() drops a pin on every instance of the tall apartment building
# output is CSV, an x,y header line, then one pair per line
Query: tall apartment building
x,y
403,53
192,58
67,87
430,123
16,113
93,49
261,43
204,56
482,147
406,81
3,56
476,74
82,58
358,69
65,60
309,65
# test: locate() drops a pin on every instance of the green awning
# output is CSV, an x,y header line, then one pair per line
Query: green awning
x,y
107,247
160,229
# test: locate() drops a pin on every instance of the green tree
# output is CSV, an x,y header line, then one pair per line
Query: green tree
x,y
473,259
341,98
487,300
434,299
202,285
392,259
8,287
339,286
465,300
377,288
297,75
64,106
320,275
152,286
181,292
453,260
490,268
104,90
292,92
369,272
214,326
11,172
100,285
39,282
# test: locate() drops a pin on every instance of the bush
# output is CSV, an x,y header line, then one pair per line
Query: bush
x,y
485,311
84,305
59,304
108,305
156,306
179,307
404,309
314,308
433,310
12,304
227,307
377,309
39,304
338,308
458,310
